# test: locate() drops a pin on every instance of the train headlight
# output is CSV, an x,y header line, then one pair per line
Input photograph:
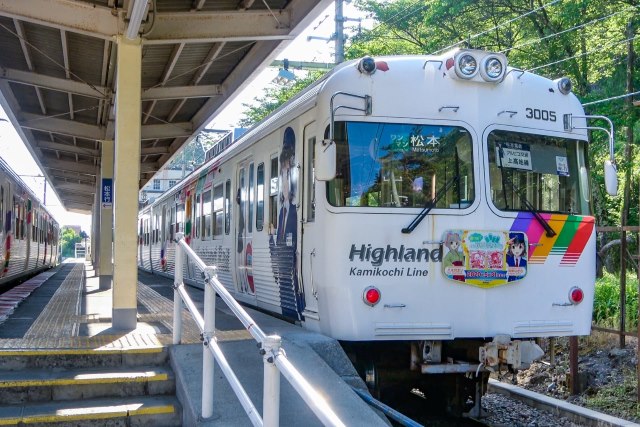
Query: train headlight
x,y
367,65
466,65
371,296
492,69
564,85
576,295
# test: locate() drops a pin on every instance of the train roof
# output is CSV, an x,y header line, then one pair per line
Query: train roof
x,y
307,99
4,166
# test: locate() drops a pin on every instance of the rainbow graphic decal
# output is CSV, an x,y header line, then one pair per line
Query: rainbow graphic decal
x,y
572,234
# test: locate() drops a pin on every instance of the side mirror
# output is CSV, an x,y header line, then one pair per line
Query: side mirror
x,y
325,157
610,178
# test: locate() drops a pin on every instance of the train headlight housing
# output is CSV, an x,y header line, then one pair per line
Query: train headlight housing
x,y
466,65
477,65
564,85
576,295
371,296
492,68
367,65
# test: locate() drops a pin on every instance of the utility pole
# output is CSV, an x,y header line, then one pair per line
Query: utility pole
x,y
339,35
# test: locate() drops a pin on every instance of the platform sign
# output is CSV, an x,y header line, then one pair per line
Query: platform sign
x,y
107,193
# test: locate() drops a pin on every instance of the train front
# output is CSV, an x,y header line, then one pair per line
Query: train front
x,y
457,220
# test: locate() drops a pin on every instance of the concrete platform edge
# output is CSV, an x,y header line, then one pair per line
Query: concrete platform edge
x,y
559,407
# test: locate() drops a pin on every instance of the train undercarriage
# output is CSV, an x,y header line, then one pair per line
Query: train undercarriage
x,y
450,377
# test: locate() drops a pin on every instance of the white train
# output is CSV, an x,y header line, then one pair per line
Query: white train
x,y
28,232
430,212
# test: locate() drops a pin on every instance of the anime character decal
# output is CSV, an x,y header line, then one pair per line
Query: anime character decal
x,y
485,258
516,257
283,240
455,256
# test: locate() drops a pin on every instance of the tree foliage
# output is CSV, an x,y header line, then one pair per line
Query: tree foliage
x,y
273,97
68,240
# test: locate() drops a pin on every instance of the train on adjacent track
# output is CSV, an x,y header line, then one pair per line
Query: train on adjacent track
x,y
29,234
432,213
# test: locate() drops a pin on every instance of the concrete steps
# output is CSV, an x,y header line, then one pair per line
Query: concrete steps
x,y
89,387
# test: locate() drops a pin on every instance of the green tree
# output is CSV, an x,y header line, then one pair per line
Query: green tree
x,y
68,240
274,97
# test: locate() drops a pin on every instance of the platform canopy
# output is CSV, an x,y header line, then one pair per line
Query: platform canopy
x,y
58,67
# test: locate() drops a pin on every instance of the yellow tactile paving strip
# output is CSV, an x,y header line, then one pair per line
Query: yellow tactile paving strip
x,y
56,330
58,319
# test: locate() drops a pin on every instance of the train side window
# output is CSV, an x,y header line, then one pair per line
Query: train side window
x,y
311,182
218,204
206,214
260,197
273,192
252,198
227,207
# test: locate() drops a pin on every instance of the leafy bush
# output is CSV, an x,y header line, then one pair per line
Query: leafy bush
x,y
606,304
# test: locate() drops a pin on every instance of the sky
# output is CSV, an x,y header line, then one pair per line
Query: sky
x,y
15,153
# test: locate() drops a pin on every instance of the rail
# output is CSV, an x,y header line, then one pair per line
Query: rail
x,y
275,360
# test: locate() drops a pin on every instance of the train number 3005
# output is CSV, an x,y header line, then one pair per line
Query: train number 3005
x,y
537,114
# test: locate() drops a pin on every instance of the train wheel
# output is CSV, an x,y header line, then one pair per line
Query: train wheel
x,y
371,378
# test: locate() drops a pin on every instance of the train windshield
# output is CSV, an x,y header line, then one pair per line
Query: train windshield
x,y
398,165
548,172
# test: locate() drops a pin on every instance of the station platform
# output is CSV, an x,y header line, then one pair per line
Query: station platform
x,y
61,362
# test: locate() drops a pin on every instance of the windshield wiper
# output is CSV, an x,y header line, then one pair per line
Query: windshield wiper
x,y
432,203
523,198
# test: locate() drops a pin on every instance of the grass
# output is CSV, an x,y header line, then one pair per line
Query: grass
x,y
606,305
617,399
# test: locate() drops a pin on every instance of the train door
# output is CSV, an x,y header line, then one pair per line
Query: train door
x,y
310,232
244,205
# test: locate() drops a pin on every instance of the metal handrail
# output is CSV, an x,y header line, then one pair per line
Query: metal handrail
x,y
274,358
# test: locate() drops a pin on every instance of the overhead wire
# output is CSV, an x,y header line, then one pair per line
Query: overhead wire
x,y
626,95
395,19
475,36
583,53
577,27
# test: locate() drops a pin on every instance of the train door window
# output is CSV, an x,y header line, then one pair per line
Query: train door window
x,y
34,225
273,192
198,215
206,214
252,198
1,208
217,210
164,222
16,216
260,197
311,181
172,223
157,228
180,218
227,207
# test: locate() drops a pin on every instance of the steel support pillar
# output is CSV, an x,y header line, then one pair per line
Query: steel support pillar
x,y
126,183
105,228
